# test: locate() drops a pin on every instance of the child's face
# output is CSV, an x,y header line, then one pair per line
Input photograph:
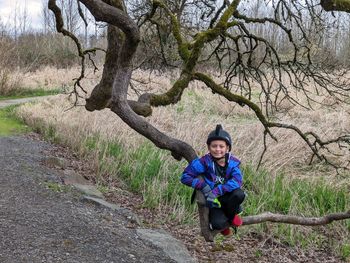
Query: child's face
x,y
218,148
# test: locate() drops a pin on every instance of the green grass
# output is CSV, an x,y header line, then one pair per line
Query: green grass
x,y
56,187
284,195
10,124
146,171
24,93
345,251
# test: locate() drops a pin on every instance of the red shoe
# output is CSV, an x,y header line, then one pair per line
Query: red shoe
x,y
227,232
237,221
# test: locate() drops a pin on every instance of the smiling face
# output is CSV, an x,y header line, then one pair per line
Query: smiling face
x,y
218,148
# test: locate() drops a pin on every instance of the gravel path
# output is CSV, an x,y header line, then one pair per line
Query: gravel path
x,y
38,224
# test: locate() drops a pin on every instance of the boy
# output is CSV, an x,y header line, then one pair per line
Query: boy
x,y
218,176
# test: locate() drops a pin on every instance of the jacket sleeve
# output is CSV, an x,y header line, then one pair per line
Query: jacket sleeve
x,y
231,184
190,176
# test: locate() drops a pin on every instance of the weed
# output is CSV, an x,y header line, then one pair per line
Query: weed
x,y
50,134
56,187
8,83
258,253
91,143
102,188
180,108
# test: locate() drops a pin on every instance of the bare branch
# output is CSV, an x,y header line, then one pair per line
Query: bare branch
x,y
295,220
60,28
234,97
315,146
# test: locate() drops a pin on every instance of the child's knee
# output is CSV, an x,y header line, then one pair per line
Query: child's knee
x,y
238,195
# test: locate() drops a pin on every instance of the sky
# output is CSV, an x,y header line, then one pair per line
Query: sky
x,y
34,7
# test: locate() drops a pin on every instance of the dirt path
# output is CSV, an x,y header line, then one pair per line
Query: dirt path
x,y
6,103
43,221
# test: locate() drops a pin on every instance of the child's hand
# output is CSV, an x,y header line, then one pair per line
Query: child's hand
x,y
212,200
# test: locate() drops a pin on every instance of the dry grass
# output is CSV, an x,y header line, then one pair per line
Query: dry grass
x,y
14,82
49,78
9,82
191,120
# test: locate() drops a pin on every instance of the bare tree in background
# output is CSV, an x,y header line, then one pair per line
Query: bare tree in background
x,y
205,31
20,20
48,19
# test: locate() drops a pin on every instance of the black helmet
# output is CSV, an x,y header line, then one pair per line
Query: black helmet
x,y
219,134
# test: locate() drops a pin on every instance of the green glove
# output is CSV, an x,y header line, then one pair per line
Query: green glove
x,y
216,203
212,201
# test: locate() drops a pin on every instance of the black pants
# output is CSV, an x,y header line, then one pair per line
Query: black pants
x,y
221,218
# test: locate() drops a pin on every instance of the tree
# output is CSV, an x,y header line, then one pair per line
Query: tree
x,y
204,31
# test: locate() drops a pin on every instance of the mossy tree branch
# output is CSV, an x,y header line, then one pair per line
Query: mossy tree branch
x,y
176,29
119,74
190,53
101,95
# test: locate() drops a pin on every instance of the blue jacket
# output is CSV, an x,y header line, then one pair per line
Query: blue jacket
x,y
205,166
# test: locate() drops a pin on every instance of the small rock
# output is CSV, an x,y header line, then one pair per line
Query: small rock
x,y
171,246
88,190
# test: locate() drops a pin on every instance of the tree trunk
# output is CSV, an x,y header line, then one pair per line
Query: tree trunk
x,y
203,212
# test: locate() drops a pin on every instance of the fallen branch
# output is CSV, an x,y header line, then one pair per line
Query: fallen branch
x,y
295,220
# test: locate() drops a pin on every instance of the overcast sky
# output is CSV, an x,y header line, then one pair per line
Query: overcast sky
x,y
34,7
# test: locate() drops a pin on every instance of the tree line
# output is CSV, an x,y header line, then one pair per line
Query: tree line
x,y
23,47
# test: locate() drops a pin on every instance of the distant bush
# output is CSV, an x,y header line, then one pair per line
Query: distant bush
x,y
35,50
